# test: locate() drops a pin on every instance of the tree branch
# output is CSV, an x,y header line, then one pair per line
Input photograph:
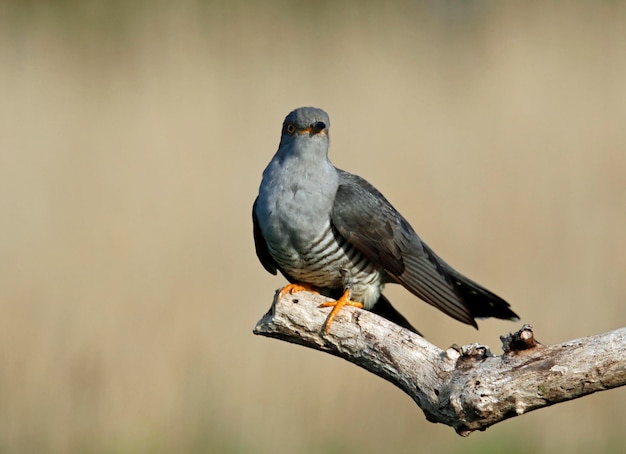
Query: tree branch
x,y
467,387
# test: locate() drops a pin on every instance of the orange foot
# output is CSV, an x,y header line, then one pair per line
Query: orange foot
x,y
337,305
293,288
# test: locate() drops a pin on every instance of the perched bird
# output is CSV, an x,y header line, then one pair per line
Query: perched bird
x,y
330,231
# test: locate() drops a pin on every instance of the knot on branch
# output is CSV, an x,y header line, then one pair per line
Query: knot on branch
x,y
470,355
524,339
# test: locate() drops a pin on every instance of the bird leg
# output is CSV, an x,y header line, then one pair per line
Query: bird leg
x,y
293,288
337,305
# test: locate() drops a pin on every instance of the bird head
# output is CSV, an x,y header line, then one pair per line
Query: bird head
x,y
305,130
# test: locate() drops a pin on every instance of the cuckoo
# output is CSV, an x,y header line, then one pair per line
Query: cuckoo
x,y
330,231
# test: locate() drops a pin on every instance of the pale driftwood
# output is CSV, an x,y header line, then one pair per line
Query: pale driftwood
x,y
466,387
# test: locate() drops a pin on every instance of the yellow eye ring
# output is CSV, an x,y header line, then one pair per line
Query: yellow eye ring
x,y
291,129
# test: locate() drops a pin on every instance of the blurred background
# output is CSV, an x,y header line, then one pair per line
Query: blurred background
x,y
133,136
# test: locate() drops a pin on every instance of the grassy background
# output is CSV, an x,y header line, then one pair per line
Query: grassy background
x,y
132,140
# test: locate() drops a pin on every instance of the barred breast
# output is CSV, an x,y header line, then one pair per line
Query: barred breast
x,y
328,261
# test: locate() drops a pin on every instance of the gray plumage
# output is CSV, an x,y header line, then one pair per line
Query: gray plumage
x,y
325,227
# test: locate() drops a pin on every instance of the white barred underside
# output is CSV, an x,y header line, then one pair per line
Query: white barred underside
x,y
331,262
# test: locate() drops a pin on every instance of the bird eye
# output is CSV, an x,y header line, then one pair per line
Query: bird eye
x,y
291,128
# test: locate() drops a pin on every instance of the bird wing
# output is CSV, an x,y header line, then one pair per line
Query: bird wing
x,y
363,216
262,251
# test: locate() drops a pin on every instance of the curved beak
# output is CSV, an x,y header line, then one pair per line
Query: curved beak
x,y
316,128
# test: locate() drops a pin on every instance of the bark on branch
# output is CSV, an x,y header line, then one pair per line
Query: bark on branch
x,y
466,387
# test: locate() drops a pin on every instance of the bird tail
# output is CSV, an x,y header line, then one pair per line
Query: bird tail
x,y
481,302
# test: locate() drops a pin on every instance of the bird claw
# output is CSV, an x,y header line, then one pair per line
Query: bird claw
x,y
293,288
337,305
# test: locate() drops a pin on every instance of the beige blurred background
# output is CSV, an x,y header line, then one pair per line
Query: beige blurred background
x,y
132,140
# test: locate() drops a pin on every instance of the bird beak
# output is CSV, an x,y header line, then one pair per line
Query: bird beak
x,y
316,128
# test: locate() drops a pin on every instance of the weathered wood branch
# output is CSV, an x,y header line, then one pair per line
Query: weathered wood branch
x,y
467,387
